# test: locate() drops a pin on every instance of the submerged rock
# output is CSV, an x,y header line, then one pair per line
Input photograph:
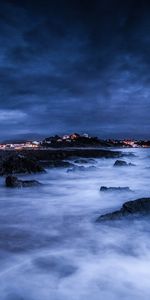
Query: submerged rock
x,y
13,181
81,168
19,164
60,267
132,165
114,189
122,163
139,206
76,168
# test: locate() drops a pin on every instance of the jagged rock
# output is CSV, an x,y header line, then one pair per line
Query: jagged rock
x,y
139,206
122,163
19,164
115,189
13,181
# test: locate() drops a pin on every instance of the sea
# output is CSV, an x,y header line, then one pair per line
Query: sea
x,y
52,248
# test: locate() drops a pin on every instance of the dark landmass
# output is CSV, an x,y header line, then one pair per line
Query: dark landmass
x,y
77,140
34,161
130,208
74,140
71,153
56,154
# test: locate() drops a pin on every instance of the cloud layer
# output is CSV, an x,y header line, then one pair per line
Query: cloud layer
x,y
74,66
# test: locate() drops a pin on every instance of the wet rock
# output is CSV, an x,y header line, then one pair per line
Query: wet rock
x,y
63,154
115,189
76,168
60,164
129,154
82,168
13,182
56,164
122,163
84,161
19,164
140,206
91,168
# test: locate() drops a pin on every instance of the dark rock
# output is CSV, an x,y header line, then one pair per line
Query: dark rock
x,y
139,206
91,168
56,164
81,168
115,189
19,164
76,168
64,153
84,161
12,182
81,161
122,163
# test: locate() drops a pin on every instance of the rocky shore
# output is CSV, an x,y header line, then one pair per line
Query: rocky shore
x,y
65,153
34,161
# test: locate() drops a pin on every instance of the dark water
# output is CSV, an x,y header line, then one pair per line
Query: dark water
x,y
52,249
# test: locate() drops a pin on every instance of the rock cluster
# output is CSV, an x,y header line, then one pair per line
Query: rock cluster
x,y
81,168
19,164
56,164
84,161
13,182
139,206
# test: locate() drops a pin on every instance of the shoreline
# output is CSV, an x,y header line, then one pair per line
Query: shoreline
x,y
60,154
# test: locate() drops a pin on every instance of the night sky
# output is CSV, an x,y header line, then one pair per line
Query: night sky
x,y
74,66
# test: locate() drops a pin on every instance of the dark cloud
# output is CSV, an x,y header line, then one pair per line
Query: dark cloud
x,y
75,66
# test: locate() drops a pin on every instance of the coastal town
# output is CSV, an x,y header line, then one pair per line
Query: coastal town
x,y
73,140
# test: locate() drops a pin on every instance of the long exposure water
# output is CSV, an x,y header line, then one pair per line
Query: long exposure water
x,y
51,248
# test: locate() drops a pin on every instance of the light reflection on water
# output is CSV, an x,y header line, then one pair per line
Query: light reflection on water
x,y
52,249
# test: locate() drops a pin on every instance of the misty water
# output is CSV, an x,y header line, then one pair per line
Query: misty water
x,y
51,248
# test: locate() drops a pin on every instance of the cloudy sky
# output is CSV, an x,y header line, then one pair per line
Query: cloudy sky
x,y
74,65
